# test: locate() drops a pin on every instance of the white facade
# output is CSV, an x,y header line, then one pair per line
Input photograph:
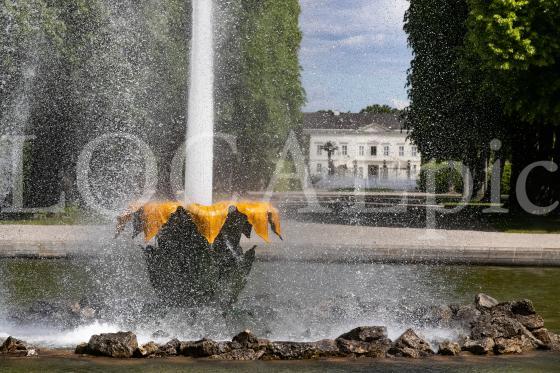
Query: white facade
x,y
374,155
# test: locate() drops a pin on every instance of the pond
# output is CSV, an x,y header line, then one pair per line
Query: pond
x,y
538,362
282,300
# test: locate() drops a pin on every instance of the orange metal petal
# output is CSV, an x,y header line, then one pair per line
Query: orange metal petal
x,y
209,220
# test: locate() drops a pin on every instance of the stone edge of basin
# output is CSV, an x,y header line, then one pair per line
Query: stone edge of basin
x,y
504,256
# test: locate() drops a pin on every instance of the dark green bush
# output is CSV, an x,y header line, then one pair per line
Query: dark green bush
x,y
447,179
506,176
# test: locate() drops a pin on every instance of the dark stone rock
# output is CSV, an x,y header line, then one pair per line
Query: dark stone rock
x,y
409,344
482,346
300,350
370,341
327,348
146,350
531,322
515,345
13,346
508,324
555,345
118,345
454,307
449,348
523,307
82,349
248,340
374,349
171,348
366,334
543,335
226,347
203,348
496,326
240,354
439,316
289,351
467,314
483,301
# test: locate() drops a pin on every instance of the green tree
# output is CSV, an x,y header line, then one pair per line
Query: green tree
x,y
92,67
263,95
380,109
98,67
449,116
518,43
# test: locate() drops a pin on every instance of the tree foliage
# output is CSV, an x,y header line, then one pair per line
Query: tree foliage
x,y
518,42
262,101
380,109
449,116
84,68
486,69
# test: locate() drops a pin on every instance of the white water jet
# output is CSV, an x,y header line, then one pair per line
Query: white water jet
x,y
200,123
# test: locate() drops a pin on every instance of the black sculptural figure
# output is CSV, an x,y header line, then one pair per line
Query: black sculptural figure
x,y
186,270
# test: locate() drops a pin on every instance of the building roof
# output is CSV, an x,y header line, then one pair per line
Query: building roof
x,y
351,121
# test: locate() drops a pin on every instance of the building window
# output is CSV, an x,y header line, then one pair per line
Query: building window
x,y
361,172
386,150
414,168
361,150
319,149
344,149
401,151
319,168
414,151
373,151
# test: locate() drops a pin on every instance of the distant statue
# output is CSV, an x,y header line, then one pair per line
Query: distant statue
x,y
330,148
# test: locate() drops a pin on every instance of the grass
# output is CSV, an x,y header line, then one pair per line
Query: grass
x,y
72,215
524,223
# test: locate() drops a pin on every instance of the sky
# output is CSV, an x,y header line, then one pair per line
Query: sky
x,y
354,54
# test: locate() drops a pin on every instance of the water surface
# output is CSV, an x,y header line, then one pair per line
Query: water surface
x,y
283,300
538,362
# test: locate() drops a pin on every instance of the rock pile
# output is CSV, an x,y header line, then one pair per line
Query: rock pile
x,y
15,347
508,328
490,328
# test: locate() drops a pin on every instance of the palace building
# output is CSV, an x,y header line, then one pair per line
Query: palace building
x,y
370,150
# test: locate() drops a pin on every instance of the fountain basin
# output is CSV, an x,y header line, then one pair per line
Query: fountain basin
x,y
281,301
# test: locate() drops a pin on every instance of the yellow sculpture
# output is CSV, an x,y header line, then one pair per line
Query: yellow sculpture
x,y
209,220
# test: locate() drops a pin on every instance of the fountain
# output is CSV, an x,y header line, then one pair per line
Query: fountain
x,y
200,124
206,285
197,257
